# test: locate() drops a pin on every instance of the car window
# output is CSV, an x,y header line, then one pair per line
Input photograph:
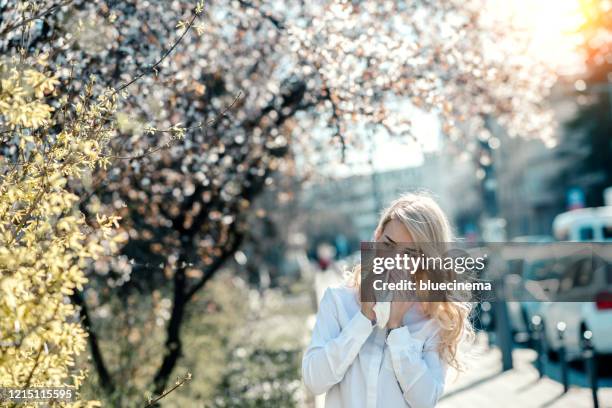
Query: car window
x,y
543,269
586,233
515,266
584,275
606,232
577,274
567,279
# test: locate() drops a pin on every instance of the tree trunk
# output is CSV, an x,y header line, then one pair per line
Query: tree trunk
x,y
173,339
104,377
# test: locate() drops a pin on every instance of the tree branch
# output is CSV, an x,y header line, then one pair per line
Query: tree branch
x,y
276,22
162,58
179,383
215,266
52,9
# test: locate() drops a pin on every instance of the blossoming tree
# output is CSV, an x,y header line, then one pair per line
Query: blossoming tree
x,y
263,81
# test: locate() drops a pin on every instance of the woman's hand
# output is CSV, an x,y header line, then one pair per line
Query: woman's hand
x,y
367,308
398,310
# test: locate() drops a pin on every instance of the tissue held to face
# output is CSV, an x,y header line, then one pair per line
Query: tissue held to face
x,y
389,314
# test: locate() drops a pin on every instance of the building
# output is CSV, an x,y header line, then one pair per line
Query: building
x,y
360,199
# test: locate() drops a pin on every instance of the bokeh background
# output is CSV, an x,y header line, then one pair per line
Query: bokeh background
x,y
254,146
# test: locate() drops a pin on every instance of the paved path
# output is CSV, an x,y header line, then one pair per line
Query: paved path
x,y
484,385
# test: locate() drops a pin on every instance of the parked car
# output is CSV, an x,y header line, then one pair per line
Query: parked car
x,y
585,224
518,259
530,277
513,281
584,277
521,260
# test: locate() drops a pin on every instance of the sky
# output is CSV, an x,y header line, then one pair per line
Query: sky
x,y
553,28
391,153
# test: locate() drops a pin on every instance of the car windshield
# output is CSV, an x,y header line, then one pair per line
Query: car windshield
x,y
543,269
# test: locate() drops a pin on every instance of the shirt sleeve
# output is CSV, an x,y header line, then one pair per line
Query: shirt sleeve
x,y
417,366
333,348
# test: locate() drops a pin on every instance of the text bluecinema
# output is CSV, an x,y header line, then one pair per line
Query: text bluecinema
x,y
440,272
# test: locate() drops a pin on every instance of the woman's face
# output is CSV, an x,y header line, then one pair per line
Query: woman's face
x,y
396,237
396,240
394,233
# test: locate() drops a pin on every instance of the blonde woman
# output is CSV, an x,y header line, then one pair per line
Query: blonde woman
x,y
357,363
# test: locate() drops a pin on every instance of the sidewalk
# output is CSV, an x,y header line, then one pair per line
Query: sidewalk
x,y
484,385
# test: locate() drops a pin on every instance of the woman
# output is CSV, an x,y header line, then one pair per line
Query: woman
x,y
404,364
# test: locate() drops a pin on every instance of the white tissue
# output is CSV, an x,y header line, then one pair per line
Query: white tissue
x,y
382,310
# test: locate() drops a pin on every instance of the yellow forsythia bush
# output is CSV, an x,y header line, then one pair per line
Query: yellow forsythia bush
x,y
46,144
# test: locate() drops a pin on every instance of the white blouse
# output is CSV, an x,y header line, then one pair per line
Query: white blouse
x,y
359,365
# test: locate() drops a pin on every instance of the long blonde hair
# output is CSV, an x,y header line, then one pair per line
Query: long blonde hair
x,y
427,223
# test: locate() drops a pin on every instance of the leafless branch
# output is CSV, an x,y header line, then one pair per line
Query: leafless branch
x,y
153,67
23,22
172,130
179,383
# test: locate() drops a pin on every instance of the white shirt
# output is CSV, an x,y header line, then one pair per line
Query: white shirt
x,y
359,365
